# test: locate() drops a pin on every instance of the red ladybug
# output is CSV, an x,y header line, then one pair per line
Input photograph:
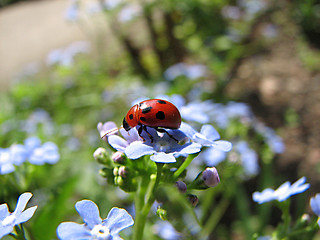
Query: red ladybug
x,y
154,113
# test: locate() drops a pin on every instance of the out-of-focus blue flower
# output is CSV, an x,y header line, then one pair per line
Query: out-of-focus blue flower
x,y
94,227
264,238
283,192
6,163
212,156
72,12
231,12
274,141
129,12
47,153
20,215
249,158
65,57
166,231
315,206
181,69
163,148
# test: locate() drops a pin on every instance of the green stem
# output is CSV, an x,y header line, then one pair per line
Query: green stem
x,y
184,165
215,217
143,202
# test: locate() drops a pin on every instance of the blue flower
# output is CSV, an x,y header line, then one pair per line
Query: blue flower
x,y
249,158
181,69
6,163
94,227
163,148
283,192
166,231
9,220
47,153
315,206
208,137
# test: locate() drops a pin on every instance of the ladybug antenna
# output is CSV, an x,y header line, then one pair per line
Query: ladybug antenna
x,y
111,131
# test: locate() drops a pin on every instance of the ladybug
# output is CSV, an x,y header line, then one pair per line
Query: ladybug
x,y
154,113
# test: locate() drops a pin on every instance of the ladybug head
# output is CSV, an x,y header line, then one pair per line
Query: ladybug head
x,y
130,120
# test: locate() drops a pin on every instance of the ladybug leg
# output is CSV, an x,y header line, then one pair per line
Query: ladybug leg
x,y
145,129
140,131
161,130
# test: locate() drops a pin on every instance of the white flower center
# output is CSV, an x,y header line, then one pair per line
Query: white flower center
x,y
162,146
9,220
100,232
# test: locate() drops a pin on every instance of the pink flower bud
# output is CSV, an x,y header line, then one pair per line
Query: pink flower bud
x,y
211,177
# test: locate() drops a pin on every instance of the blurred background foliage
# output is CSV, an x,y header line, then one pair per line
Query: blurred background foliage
x,y
264,53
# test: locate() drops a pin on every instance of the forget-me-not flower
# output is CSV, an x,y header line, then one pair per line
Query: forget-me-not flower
x,y
20,215
94,227
282,193
163,148
315,206
208,137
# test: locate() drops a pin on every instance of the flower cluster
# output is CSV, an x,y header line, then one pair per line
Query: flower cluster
x,y
282,193
20,215
94,227
31,150
164,147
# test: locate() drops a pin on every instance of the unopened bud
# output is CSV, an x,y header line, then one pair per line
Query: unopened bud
x,y
118,157
102,156
182,187
193,199
123,171
116,171
211,177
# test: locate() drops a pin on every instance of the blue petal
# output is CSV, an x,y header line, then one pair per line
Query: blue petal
x,y
5,231
138,149
6,168
315,204
131,136
212,157
265,196
89,212
22,203
73,231
4,211
222,145
210,132
162,157
25,215
117,220
190,148
117,143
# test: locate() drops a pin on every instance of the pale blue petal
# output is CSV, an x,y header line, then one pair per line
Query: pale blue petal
x,y
190,148
89,212
18,154
210,132
222,145
131,136
73,231
25,215
6,168
22,203
4,211
315,204
187,130
138,149
5,231
266,195
212,157
117,143
162,157
117,220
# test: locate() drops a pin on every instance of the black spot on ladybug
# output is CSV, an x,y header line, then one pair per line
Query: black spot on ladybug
x,y
162,102
142,118
131,116
160,115
146,110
